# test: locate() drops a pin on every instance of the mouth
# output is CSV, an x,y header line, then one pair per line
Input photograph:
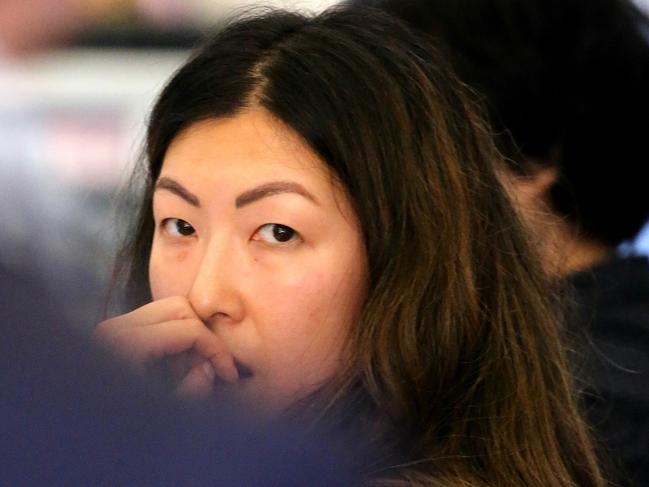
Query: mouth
x,y
243,370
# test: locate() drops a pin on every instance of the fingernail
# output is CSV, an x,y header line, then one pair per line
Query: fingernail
x,y
226,370
233,376
208,368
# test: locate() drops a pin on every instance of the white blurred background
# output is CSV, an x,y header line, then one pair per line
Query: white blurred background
x,y
77,78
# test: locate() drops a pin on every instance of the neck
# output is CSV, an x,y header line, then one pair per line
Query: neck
x,y
567,251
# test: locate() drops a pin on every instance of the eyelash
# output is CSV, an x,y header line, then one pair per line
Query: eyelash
x,y
278,232
164,224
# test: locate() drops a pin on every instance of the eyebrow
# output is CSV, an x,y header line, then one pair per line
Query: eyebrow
x,y
246,198
179,190
271,189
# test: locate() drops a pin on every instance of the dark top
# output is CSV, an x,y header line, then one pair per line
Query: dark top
x,y
613,310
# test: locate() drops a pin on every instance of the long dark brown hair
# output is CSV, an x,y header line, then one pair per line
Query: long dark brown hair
x,y
457,367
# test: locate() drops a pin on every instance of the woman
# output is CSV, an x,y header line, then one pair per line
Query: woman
x,y
324,231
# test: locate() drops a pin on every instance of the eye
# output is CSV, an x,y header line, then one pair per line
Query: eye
x,y
176,227
274,233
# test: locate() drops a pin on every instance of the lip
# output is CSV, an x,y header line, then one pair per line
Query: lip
x,y
244,371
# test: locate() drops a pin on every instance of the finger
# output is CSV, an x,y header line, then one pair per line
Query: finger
x,y
198,381
168,309
144,345
180,365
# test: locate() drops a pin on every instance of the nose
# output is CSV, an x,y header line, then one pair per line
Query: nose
x,y
216,293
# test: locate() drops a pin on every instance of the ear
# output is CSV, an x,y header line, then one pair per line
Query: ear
x,y
531,189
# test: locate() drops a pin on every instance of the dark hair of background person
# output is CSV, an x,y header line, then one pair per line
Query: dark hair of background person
x,y
457,374
565,83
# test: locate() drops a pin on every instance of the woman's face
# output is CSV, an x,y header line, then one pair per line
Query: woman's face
x,y
251,229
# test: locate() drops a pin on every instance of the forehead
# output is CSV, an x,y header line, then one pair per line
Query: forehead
x,y
251,146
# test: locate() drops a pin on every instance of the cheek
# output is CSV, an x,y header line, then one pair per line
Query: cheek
x,y
169,273
323,285
308,296
312,313
323,299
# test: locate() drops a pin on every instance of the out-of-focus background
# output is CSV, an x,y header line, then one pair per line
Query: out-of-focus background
x,y
77,78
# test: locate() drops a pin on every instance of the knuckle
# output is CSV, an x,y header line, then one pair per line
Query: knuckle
x,y
196,324
103,330
179,308
127,344
121,338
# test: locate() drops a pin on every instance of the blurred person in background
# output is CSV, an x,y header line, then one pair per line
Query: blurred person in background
x,y
566,86
28,26
307,243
